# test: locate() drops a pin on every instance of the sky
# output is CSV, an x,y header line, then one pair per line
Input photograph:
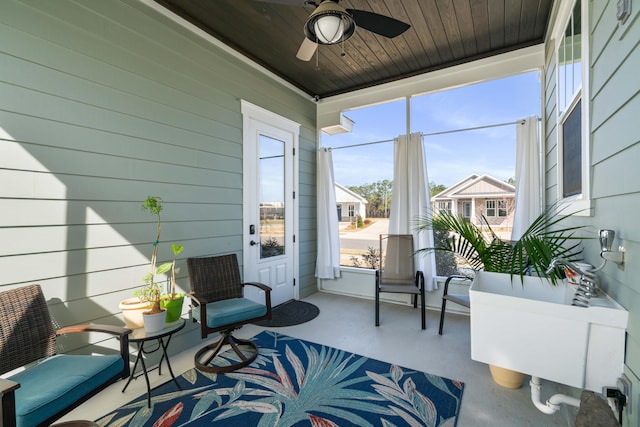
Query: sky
x,y
450,157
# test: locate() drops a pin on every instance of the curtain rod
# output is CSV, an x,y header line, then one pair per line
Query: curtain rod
x,y
435,133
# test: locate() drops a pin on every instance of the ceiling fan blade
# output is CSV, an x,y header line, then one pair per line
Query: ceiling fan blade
x,y
306,50
379,24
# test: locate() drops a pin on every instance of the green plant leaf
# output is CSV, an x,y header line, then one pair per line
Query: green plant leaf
x,y
176,249
481,247
153,205
163,268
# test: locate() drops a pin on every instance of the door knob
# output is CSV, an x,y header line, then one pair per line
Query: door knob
x,y
253,243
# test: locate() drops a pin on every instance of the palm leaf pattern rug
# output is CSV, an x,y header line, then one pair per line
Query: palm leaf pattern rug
x,y
298,383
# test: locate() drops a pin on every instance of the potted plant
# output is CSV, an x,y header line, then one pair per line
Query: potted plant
x,y
482,248
172,302
155,316
147,300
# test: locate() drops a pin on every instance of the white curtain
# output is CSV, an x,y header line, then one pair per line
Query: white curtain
x,y
328,261
528,177
410,200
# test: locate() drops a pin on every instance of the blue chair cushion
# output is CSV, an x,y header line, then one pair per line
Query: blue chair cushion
x,y
230,311
57,382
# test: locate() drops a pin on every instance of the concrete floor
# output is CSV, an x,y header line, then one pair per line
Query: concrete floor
x,y
348,323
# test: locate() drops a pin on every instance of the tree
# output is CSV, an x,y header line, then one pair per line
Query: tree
x,y
378,196
436,188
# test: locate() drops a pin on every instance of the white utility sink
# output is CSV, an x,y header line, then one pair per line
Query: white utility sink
x,y
533,328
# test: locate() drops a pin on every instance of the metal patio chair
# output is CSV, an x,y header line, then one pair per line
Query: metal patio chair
x,y
462,299
218,304
398,274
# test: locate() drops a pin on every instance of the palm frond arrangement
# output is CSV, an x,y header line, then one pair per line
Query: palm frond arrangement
x,y
481,247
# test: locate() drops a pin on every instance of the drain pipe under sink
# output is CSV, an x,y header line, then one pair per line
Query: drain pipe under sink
x,y
554,402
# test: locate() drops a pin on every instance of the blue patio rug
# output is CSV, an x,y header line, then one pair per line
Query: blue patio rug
x,y
298,383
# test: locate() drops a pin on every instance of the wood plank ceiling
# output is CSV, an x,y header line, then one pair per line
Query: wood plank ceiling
x,y
443,33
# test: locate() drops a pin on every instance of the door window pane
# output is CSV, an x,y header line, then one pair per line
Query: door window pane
x,y
466,209
271,195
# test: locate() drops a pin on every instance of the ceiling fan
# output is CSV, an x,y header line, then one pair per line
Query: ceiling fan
x,y
331,23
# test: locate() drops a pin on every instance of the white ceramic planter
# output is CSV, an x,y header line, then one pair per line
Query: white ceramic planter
x,y
154,322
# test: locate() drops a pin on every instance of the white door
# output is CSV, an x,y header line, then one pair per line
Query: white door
x,y
269,204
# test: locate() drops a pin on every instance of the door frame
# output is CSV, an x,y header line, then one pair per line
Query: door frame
x,y
250,113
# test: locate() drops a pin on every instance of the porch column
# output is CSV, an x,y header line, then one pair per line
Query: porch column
x,y
472,218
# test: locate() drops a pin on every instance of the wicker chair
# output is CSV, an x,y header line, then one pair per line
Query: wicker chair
x,y
397,274
45,391
217,303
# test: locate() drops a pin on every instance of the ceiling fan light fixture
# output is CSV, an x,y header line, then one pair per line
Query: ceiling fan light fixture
x,y
329,29
329,24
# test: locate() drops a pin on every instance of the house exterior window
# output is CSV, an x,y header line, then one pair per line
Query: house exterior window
x,y
444,207
352,210
490,208
573,153
570,60
502,208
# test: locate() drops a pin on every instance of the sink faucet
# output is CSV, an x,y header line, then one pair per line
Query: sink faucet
x,y
558,261
588,284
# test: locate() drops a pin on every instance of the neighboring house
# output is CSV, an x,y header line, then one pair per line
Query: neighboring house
x,y
349,204
476,196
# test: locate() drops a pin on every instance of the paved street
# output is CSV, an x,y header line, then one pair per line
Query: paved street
x,y
360,240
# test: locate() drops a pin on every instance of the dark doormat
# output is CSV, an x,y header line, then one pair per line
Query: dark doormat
x,y
292,312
